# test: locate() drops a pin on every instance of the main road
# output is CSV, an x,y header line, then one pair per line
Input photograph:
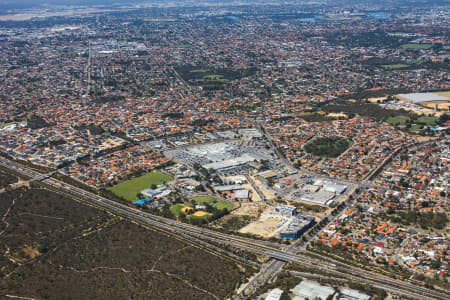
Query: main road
x,y
258,247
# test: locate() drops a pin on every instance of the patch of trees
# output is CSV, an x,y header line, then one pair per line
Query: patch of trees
x,y
235,223
327,146
53,143
376,39
37,122
370,110
6,178
174,115
316,117
425,220
110,240
93,128
196,74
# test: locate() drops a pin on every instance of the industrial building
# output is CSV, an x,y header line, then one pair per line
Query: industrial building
x,y
353,294
308,289
296,226
274,294
285,210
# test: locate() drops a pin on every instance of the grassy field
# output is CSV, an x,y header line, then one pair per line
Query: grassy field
x,y
416,46
219,78
447,47
219,204
429,121
177,209
200,215
415,127
397,120
396,66
130,189
199,71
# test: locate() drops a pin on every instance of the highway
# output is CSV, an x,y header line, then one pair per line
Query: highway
x,y
258,247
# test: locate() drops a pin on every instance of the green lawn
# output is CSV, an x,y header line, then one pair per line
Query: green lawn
x,y
176,209
416,46
397,120
199,217
199,71
429,121
219,204
415,127
131,188
214,77
396,66
447,47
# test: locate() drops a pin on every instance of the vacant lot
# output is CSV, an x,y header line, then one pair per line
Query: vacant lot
x,y
56,248
131,188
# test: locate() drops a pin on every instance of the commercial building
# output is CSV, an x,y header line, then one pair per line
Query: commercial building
x,y
296,226
353,294
285,210
229,164
241,194
333,187
274,294
308,289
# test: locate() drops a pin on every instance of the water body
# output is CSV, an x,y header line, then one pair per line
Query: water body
x,y
233,18
312,19
380,15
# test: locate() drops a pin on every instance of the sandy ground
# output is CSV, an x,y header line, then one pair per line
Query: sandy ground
x,y
251,209
200,213
444,105
444,94
337,115
264,228
255,196
376,99
266,193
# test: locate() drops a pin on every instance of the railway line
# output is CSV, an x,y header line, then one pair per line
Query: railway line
x,y
272,250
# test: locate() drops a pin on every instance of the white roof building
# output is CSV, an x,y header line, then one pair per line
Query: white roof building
x,y
354,294
274,294
312,290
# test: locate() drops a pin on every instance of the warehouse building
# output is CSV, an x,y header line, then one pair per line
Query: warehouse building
x,y
308,289
296,226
